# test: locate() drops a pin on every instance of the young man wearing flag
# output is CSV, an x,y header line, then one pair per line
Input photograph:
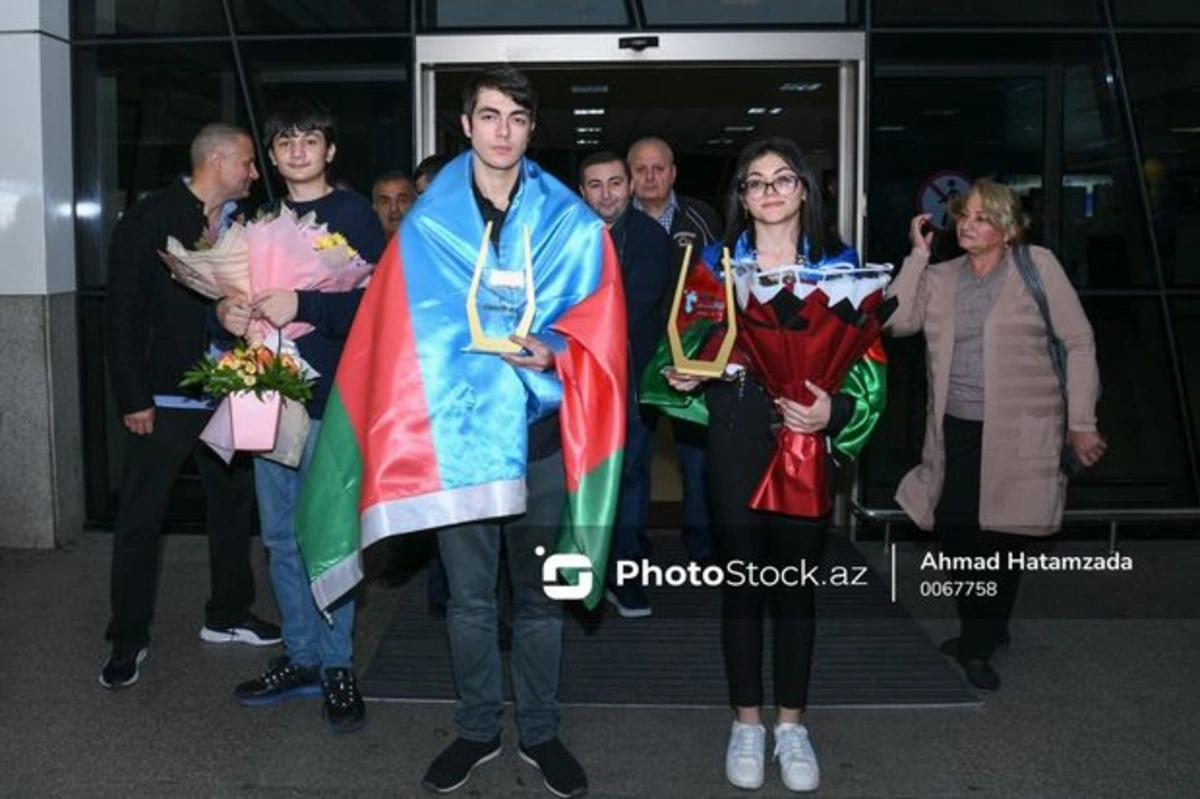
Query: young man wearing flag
x,y
425,431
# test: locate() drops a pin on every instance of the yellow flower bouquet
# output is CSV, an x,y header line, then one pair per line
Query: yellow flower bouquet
x,y
258,387
250,368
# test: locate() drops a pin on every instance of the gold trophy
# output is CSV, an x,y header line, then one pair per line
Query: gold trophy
x,y
694,366
480,340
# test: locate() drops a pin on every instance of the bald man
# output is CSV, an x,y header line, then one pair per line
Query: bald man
x,y
686,219
155,329
689,222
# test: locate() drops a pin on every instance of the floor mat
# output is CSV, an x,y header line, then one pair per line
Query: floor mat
x,y
869,652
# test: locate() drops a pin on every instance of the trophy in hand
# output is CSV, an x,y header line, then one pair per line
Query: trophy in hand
x,y
695,366
507,310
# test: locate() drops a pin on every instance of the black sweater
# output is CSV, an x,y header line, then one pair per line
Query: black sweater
x,y
332,313
154,328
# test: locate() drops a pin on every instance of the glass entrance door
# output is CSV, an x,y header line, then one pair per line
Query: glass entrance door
x,y
707,94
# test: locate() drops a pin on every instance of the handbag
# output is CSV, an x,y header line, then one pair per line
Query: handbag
x,y
1069,462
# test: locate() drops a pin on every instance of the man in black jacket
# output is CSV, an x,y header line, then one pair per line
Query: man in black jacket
x,y
154,330
689,222
647,258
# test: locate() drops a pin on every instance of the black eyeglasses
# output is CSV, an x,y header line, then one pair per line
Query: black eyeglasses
x,y
784,186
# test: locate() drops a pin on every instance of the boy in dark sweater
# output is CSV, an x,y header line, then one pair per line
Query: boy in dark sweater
x,y
301,140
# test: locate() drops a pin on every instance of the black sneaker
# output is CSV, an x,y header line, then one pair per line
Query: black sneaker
x,y
561,773
250,630
630,600
123,667
282,680
450,770
344,709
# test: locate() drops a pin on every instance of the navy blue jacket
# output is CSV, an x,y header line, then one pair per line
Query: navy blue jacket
x,y
648,258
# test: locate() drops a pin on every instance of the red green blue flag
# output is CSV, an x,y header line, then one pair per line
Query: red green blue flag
x,y
420,433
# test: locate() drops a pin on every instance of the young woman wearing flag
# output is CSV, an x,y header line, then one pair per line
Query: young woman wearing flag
x,y
806,382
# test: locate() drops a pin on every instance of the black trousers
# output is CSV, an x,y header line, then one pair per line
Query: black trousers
x,y
152,464
984,619
740,443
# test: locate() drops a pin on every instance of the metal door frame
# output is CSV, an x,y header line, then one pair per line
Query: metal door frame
x,y
846,50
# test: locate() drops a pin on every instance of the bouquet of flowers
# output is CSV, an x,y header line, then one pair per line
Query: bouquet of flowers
x,y
796,323
262,392
277,250
264,386
806,324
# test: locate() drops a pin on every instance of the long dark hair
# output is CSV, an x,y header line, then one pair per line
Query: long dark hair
x,y
812,214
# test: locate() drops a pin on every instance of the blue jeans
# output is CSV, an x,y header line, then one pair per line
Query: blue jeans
x,y
309,638
690,442
633,507
471,554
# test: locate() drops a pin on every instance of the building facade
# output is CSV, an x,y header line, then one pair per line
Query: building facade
x,y
1089,108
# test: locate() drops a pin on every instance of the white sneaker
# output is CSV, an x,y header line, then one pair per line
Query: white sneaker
x,y
745,755
797,760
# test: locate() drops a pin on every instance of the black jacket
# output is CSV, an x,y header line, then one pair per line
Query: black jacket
x,y
154,328
648,258
695,223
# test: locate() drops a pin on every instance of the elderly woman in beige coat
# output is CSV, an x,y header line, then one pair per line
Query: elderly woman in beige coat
x,y
989,476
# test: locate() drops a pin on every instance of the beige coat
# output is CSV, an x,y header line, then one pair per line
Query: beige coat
x,y
1021,488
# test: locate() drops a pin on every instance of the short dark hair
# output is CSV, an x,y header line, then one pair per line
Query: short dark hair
x,y
602,157
505,79
390,175
299,115
429,167
822,240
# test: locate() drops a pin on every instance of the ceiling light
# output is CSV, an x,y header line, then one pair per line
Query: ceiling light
x,y
799,87
589,112
719,141
587,141
940,112
588,130
1193,129
776,111
594,88
756,111
890,128
739,128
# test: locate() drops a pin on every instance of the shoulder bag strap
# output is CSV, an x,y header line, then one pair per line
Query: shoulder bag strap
x,y
1033,282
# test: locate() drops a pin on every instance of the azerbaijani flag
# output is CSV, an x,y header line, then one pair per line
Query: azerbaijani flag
x,y
419,433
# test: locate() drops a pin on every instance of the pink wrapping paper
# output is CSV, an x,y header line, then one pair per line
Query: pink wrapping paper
x,y
243,422
283,254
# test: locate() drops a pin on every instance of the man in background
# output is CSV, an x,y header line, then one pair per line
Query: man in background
x,y
154,330
392,195
648,258
689,222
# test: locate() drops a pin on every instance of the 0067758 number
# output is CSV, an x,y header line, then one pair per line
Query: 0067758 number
x,y
958,588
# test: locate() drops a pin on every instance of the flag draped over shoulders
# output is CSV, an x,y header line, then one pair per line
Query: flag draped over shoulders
x,y
421,433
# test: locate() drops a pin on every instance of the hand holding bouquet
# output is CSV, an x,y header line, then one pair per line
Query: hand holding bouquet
x,y
275,251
